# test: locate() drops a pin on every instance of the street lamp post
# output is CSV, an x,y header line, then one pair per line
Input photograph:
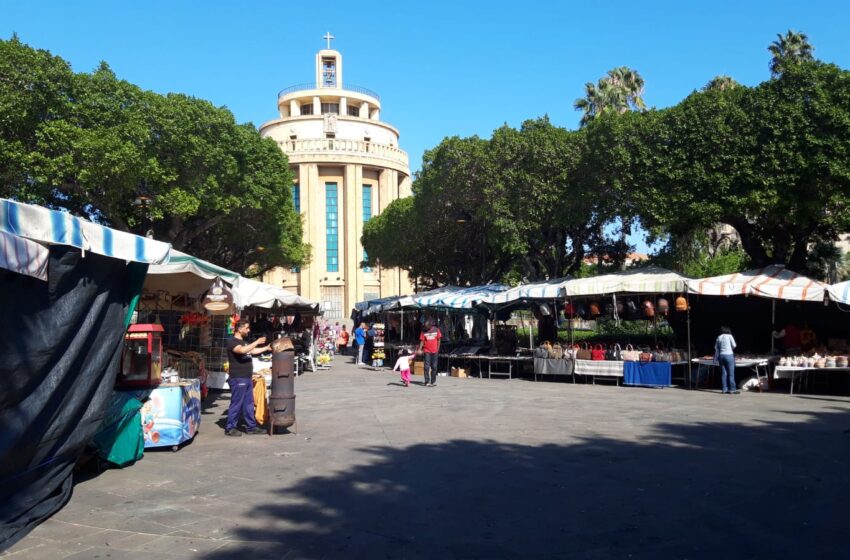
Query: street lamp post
x,y
144,202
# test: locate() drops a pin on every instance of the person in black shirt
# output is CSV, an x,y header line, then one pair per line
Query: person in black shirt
x,y
240,369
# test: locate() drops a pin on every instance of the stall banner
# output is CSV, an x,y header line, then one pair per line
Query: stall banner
x,y
172,414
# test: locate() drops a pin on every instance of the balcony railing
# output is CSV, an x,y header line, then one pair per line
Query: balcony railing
x,y
344,147
313,85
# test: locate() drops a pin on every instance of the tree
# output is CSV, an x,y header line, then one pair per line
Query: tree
x,y
529,210
91,143
788,50
772,161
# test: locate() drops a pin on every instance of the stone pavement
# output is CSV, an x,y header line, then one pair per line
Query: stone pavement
x,y
481,469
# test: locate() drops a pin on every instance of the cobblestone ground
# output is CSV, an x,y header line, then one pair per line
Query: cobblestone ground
x,y
481,469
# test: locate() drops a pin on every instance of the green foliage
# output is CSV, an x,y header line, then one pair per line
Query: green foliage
x,y
788,50
771,161
530,211
91,143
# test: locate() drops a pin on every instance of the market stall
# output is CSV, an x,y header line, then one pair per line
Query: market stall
x,y
71,286
782,287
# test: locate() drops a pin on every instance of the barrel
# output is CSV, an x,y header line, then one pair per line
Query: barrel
x,y
282,400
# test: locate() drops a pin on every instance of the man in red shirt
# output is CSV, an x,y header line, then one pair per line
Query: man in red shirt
x,y
429,345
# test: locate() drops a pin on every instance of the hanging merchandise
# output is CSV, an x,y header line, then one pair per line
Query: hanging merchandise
x,y
663,306
569,310
620,308
631,307
231,324
681,303
594,310
609,309
648,309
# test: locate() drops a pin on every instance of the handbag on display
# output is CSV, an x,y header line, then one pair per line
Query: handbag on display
x,y
645,355
598,353
583,353
659,355
557,352
571,351
614,353
648,309
681,303
663,306
631,307
630,354
541,352
594,310
676,356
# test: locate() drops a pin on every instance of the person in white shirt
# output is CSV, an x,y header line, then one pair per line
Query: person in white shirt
x,y
403,365
724,354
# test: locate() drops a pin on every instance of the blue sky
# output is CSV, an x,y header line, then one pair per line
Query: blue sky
x,y
442,68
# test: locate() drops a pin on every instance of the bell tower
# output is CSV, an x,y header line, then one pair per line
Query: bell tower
x,y
328,66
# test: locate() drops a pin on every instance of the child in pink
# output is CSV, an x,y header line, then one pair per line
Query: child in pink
x,y
403,364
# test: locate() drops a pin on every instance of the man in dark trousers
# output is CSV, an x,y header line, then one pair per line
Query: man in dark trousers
x,y
429,345
240,369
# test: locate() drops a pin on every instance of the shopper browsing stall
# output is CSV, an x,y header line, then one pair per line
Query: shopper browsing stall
x,y
240,369
724,354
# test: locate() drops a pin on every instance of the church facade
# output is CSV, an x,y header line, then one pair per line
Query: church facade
x,y
348,167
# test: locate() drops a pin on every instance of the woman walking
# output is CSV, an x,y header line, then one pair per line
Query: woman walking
x,y
724,354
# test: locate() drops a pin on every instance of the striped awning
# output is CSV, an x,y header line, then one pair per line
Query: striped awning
x,y
458,298
53,227
649,280
548,290
23,256
774,281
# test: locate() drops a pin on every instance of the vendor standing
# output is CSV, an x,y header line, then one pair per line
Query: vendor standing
x,y
240,369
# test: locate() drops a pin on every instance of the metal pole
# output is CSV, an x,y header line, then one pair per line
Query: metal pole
x,y
772,325
690,363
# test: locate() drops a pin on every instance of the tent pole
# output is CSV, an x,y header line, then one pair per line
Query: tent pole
x,y
772,325
690,363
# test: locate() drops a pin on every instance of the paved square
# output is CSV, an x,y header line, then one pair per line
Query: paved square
x,y
482,469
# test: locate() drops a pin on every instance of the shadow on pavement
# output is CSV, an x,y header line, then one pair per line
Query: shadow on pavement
x,y
710,490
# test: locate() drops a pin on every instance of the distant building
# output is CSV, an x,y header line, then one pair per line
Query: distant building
x,y
348,168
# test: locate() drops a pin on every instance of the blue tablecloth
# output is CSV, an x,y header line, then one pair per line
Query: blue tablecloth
x,y
651,374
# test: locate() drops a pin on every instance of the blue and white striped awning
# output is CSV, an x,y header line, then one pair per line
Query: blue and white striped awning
x,y
53,227
458,298
548,290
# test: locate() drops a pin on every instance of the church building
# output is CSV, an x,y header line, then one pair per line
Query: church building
x,y
348,167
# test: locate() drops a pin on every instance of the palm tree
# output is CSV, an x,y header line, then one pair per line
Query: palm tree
x,y
631,83
792,48
721,83
619,91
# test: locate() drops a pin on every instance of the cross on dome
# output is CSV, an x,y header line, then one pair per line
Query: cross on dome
x,y
328,37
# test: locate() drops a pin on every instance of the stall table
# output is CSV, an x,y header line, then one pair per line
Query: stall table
x,y
172,415
600,368
508,361
648,374
791,372
758,365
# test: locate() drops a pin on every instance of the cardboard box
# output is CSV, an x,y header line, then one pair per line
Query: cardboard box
x,y
418,368
460,372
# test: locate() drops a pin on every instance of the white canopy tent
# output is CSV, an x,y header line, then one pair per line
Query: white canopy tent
x,y
187,274
547,290
840,292
649,280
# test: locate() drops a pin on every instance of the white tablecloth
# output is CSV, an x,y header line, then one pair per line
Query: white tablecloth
x,y
607,368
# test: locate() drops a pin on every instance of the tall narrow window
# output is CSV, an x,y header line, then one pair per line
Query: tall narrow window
x,y
367,214
296,200
296,197
332,227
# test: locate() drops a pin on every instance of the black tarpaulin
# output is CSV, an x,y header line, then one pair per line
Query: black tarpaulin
x,y
60,344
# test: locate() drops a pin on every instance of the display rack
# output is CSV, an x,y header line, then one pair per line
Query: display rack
x,y
378,354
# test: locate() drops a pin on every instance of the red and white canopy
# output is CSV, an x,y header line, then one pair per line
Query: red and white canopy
x,y
774,281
